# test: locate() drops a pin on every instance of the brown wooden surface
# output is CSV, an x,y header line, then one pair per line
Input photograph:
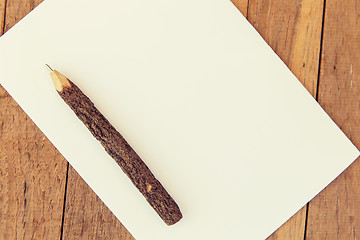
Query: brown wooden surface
x,y
242,5
2,15
86,216
335,212
32,178
58,204
293,30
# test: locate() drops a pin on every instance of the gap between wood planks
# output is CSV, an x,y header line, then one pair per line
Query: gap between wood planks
x,y
247,9
64,205
306,220
4,18
320,53
316,97
256,8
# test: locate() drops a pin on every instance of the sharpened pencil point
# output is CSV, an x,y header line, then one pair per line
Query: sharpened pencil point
x,y
49,67
59,80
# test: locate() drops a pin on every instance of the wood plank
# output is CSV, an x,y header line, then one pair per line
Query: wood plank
x,y
334,213
86,216
293,229
32,172
293,30
3,93
2,15
17,9
32,178
242,5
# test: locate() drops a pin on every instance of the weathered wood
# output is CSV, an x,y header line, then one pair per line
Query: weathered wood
x,y
2,15
118,148
32,177
293,229
242,5
3,93
293,30
86,215
335,212
17,9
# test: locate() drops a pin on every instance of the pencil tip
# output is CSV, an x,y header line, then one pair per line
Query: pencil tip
x,y
49,67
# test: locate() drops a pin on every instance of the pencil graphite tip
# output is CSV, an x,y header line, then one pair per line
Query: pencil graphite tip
x,y
49,67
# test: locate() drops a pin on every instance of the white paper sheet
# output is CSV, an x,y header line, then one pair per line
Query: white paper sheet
x,y
216,115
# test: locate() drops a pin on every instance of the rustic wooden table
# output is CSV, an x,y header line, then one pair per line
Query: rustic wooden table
x,y
42,197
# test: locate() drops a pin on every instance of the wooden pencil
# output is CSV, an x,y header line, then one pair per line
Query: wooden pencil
x,y
117,147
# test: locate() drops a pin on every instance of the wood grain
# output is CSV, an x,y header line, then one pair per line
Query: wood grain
x,y
32,178
2,16
293,229
335,212
86,215
242,5
293,30
17,9
32,172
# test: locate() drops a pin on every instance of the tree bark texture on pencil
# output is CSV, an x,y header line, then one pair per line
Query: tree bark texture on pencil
x,y
117,147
